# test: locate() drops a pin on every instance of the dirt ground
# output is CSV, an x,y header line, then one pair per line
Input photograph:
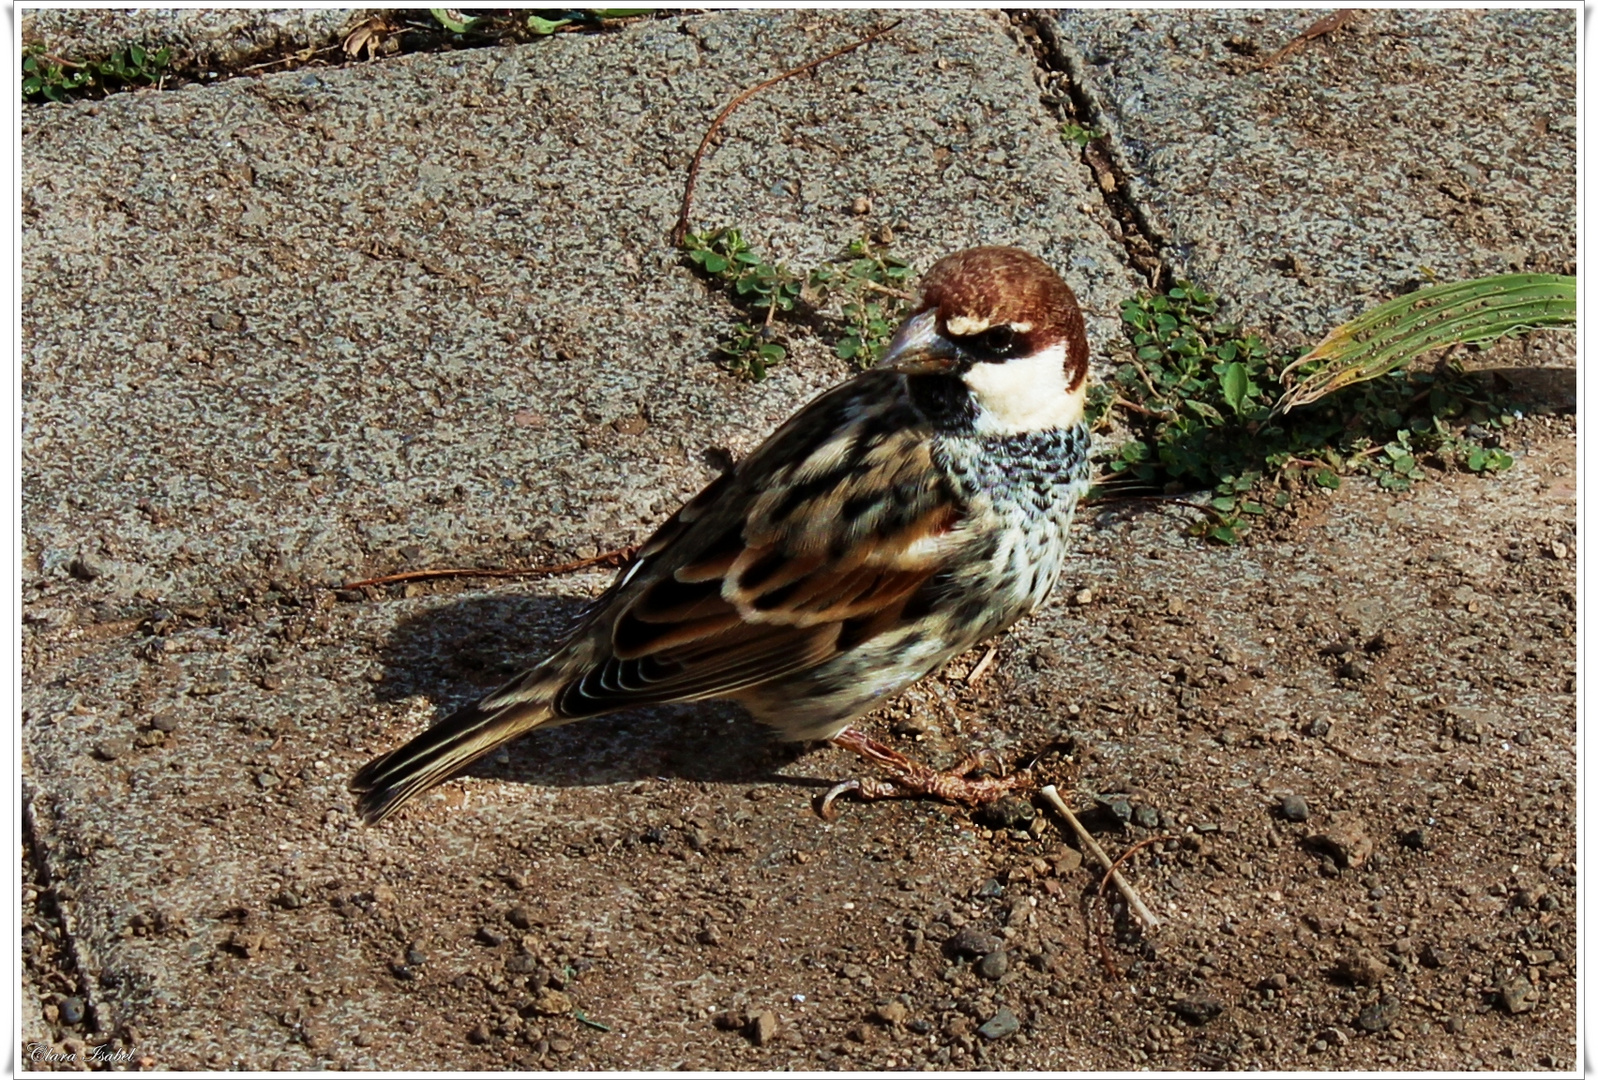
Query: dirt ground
x,y
660,893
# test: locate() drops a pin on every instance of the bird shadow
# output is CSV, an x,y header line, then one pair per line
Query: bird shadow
x,y
454,653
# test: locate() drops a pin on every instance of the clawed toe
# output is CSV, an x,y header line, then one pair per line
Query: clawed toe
x,y
909,778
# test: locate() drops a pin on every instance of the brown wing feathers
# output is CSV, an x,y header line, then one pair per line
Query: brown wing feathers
x,y
762,593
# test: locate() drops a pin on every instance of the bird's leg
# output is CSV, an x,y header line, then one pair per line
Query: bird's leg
x,y
907,776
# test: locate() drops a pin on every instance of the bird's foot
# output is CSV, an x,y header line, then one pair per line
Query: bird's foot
x,y
908,777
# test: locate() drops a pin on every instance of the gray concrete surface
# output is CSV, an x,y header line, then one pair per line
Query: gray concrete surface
x,y
221,39
284,331
1405,146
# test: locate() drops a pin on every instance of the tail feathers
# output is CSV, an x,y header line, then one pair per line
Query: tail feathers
x,y
389,782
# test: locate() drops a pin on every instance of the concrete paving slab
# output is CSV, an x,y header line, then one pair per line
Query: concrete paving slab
x,y
221,38
342,301
1403,146
283,331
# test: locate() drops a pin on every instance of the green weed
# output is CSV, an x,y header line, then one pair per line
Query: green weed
x,y
863,286
1197,395
1075,133
52,78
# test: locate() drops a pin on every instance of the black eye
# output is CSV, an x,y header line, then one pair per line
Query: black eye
x,y
997,342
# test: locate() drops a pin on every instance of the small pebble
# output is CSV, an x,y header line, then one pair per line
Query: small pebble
x,y
1294,808
1514,994
892,1012
1004,1023
489,936
552,1003
1378,1016
1145,817
479,1034
520,918
1362,968
71,1011
1009,812
86,568
111,749
994,965
1345,840
1118,805
973,942
762,1027
1198,1010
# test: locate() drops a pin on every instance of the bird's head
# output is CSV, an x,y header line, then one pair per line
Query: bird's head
x,y
1002,321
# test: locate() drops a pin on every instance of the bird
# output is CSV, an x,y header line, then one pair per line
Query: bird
x,y
895,521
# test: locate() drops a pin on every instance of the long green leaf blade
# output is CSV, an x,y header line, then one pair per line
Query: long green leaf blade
x,y
1467,312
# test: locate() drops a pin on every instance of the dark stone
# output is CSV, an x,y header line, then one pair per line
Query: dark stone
x,y
1198,1010
972,941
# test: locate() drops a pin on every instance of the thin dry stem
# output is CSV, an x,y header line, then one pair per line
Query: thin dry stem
x,y
693,167
609,558
1133,901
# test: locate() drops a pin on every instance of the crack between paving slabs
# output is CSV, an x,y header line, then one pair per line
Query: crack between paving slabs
x,y
48,901
1061,71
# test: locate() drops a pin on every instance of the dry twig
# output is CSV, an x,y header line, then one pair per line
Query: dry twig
x,y
1319,28
982,665
693,167
609,558
1133,901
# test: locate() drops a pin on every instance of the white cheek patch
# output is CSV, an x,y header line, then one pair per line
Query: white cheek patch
x,y
1029,393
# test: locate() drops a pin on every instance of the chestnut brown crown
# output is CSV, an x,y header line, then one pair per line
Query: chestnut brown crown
x,y
983,288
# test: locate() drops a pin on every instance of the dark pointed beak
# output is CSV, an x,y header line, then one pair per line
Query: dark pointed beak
x,y
918,348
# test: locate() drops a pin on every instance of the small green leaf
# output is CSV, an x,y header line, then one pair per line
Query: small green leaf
x,y
539,25
1225,504
451,22
715,263
1234,385
1326,478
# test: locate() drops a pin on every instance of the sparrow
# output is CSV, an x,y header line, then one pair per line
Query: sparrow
x,y
895,521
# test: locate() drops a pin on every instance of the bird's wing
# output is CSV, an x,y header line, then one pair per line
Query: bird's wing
x,y
821,539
